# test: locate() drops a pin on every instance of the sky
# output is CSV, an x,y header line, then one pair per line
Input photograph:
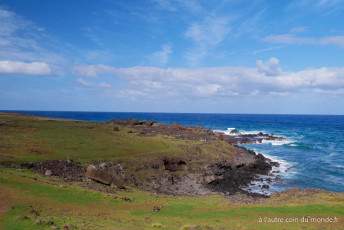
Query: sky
x,y
192,56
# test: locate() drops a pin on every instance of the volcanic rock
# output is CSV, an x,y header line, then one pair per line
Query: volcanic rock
x,y
26,165
48,222
144,122
175,164
22,217
265,186
39,221
101,176
107,173
68,170
156,209
133,122
150,123
234,131
34,212
48,173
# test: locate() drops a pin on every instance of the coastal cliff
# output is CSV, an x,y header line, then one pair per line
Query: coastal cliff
x,y
207,163
171,159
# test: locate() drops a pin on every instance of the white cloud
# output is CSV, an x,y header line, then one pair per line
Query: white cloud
x,y
10,25
23,41
339,92
219,82
291,39
161,57
34,68
270,68
91,84
91,70
9,22
210,32
207,90
333,40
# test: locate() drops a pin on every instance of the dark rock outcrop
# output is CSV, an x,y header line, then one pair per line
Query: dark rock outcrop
x,y
107,173
144,122
150,123
69,170
175,164
231,177
101,176
133,122
237,137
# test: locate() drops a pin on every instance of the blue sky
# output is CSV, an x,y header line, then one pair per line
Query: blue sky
x,y
230,56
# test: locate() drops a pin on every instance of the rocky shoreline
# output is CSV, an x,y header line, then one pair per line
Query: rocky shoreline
x,y
226,176
191,173
236,137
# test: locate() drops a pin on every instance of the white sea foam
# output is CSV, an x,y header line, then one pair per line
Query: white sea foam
x,y
257,188
251,132
294,145
333,154
278,142
285,171
339,166
285,168
285,141
240,132
228,132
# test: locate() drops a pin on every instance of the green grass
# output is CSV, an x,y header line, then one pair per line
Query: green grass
x,y
90,208
38,140
10,221
75,196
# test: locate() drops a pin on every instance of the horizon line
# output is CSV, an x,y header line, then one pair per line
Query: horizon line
x,y
82,111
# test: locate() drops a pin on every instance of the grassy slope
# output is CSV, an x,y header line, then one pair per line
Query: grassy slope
x,y
33,139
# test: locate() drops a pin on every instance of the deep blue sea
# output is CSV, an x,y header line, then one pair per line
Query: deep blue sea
x,y
311,157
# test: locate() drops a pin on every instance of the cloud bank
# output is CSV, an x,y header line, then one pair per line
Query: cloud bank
x,y
218,82
34,68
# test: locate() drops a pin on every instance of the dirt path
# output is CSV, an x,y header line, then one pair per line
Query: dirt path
x,y
4,208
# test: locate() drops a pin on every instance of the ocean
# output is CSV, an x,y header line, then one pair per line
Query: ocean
x,y
311,156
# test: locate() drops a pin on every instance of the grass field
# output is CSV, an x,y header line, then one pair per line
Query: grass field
x,y
31,139
26,139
